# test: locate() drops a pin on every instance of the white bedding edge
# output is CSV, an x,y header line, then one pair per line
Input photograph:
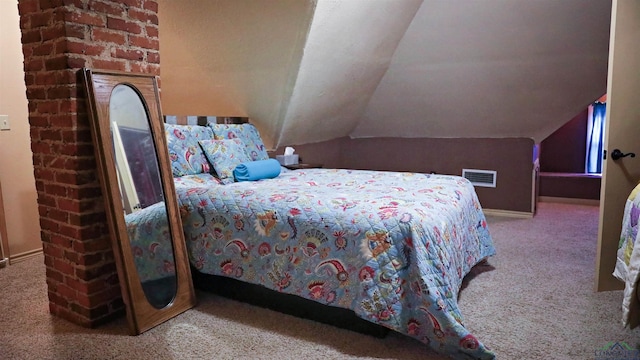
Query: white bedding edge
x,y
630,302
629,274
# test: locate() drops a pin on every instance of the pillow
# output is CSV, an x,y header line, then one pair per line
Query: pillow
x,y
257,170
185,154
225,155
247,133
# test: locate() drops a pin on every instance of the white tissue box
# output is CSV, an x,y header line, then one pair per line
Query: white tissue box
x,y
287,159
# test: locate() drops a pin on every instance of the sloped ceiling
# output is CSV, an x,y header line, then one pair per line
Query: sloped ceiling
x,y
348,51
308,71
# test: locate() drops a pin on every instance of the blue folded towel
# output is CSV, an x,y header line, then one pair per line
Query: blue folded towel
x,y
256,170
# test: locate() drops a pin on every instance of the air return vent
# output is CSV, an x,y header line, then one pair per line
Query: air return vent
x,y
486,178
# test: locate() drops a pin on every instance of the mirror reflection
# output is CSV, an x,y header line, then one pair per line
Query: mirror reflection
x,y
142,197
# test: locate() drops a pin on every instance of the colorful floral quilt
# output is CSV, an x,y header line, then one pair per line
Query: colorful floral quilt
x,y
628,260
393,247
150,238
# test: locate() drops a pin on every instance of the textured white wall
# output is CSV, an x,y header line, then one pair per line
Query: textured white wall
x,y
493,68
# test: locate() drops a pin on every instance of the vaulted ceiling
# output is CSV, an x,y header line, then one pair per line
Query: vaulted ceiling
x,y
308,71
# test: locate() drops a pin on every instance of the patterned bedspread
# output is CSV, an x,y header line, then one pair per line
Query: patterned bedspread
x,y
150,238
628,260
393,247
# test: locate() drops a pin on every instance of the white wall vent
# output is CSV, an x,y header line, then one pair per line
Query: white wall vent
x,y
486,178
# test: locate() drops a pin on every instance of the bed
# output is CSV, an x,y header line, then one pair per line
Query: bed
x,y
390,247
628,260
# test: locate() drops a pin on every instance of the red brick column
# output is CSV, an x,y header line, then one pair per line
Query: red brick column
x,y
59,37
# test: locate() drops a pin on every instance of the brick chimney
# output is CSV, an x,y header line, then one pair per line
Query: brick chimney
x,y
59,38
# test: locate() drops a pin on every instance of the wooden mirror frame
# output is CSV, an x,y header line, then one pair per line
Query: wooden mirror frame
x,y
141,315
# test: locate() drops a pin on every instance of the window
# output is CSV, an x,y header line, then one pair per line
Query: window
x,y
595,137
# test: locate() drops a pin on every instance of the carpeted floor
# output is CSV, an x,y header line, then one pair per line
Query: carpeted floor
x,y
534,300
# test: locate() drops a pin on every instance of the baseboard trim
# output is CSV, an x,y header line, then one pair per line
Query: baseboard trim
x,y
508,213
13,259
564,200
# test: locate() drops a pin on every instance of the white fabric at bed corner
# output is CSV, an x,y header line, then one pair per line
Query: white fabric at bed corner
x,y
628,271
631,301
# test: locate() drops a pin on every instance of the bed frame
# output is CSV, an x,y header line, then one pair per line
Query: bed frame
x,y
285,303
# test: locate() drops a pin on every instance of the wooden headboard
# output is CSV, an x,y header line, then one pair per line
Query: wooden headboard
x,y
203,120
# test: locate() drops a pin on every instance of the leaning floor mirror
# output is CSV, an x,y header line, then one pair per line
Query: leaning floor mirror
x,y
139,195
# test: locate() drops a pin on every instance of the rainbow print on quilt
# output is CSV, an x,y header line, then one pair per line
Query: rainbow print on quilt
x,y
393,247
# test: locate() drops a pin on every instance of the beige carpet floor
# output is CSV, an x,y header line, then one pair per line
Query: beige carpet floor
x,y
534,301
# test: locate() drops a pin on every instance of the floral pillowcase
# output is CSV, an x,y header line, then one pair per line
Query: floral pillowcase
x,y
225,155
249,135
185,154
